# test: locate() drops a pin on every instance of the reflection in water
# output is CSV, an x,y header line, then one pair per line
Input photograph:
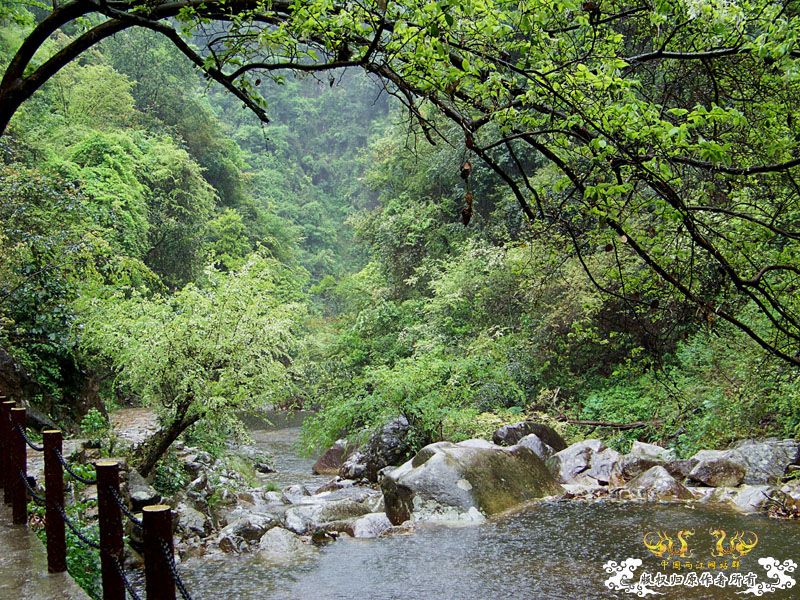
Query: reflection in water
x,y
548,551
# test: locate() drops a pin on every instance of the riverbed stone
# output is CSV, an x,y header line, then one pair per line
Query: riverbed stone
x,y
140,492
307,517
588,462
332,459
680,469
509,435
387,447
295,494
191,520
652,451
657,484
753,498
249,528
371,525
537,445
718,468
766,461
446,480
279,546
630,466
337,483
355,467
641,458
602,464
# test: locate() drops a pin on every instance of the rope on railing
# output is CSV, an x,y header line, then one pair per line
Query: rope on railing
x,y
122,575
31,491
124,508
74,528
28,441
176,577
69,470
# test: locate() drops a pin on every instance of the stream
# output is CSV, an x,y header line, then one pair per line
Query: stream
x,y
552,550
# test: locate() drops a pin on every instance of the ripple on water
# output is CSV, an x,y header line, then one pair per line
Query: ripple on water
x,y
551,551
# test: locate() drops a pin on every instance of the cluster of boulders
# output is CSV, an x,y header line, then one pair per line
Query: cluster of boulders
x,y
470,480
283,526
380,487
390,445
747,476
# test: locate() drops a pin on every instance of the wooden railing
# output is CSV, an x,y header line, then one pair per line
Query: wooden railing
x,y
161,575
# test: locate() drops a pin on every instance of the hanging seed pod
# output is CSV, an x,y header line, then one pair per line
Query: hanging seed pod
x,y
466,212
466,170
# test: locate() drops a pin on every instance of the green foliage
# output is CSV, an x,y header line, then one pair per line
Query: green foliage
x,y
452,329
169,477
123,181
206,352
95,426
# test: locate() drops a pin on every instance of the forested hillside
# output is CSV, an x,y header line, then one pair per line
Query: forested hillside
x,y
141,208
161,245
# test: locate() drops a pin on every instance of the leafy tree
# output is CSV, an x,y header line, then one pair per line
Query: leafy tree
x,y
180,203
666,161
203,354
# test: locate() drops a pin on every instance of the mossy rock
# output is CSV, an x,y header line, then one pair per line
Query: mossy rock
x,y
472,477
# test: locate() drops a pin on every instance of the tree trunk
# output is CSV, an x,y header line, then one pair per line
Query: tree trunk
x,y
154,448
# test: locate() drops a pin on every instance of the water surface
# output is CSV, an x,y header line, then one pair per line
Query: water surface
x,y
548,551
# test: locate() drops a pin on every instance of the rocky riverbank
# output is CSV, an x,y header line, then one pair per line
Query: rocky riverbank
x,y
370,495
472,480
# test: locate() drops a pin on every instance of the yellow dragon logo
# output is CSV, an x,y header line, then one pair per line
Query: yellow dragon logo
x,y
739,544
662,545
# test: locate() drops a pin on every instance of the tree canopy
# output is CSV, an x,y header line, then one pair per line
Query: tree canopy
x,y
669,128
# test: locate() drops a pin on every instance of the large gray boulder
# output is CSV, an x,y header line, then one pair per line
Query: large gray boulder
x,y
244,531
140,492
641,458
718,468
680,469
657,484
539,447
281,547
766,461
509,435
192,521
588,462
387,447
249,528
464,481
355,467
754,462
753,498
652,451
371,525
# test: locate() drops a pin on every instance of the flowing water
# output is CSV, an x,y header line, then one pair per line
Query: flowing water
x,y
278,433
553,550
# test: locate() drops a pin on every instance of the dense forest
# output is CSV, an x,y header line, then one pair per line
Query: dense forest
x,y
358,256
569,227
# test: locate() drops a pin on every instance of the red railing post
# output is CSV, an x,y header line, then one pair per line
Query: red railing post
x,y
111,542
3,438
5,433
158,550
54,492
19,468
